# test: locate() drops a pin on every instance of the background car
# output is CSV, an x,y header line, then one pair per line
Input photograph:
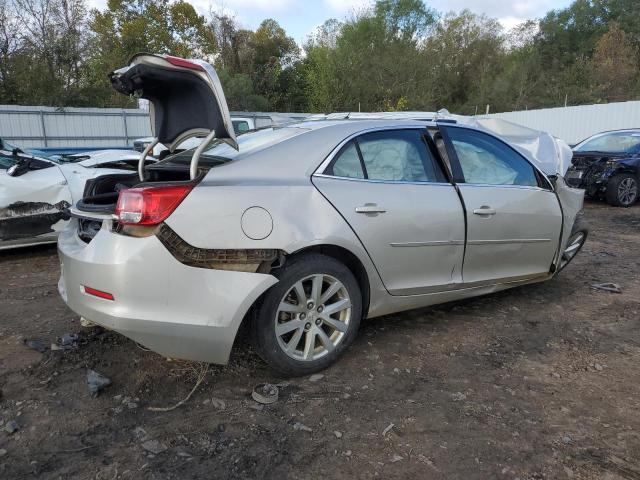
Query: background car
x,y
607,166
36,192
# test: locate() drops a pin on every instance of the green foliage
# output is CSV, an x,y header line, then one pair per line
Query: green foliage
x,y
395,55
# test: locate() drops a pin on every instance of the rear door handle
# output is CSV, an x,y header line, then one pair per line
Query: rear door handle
x,y
484,211
370,208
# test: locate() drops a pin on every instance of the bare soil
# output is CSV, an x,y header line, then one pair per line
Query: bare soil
x,y
538,382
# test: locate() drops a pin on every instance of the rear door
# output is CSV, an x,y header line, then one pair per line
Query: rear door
x,y
392,192
514,218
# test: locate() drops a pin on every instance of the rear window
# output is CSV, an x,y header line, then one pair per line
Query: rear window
x,y
248,142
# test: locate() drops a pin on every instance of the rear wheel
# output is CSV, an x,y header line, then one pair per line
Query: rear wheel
x,y
622,190
310,317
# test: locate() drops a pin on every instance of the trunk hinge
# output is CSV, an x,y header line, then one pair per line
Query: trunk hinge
x,y
195,159
143,156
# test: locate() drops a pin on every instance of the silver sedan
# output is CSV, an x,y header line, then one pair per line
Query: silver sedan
x,y
302,231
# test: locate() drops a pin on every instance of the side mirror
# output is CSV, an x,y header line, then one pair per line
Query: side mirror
x,y
19,168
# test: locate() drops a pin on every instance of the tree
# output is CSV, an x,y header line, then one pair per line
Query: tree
x,y
127,27
614,65
464,57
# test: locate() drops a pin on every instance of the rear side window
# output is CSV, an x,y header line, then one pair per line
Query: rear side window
x,y
487,161
348,163
393,155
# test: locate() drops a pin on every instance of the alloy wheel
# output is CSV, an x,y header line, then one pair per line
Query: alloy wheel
x,y
313,317
627,191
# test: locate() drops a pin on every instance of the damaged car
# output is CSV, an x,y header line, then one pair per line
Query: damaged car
x,y
607,167
299,232
36,192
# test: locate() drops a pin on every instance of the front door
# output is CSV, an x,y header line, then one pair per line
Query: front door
x,y
392,192
514,218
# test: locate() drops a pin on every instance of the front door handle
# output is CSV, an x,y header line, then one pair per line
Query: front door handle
x,y
484,210
370,208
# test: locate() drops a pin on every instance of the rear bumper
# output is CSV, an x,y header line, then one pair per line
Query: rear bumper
x,y
173,309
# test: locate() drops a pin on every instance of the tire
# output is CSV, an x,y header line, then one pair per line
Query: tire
x,y
578,237
281,306
622,190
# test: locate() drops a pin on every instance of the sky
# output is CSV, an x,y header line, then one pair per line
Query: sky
x,y
300,17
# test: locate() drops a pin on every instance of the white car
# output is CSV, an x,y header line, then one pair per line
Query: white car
x,y
35,192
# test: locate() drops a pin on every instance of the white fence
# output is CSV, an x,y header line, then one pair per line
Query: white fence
x,y
72,127
573,124
50,127
42,127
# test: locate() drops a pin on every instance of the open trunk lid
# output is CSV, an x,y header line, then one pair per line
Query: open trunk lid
x,y
186,97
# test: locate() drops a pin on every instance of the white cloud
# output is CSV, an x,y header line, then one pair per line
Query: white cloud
x,y
346,6
263,5
508,12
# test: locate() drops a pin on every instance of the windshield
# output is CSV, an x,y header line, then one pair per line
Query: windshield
x,y
248,142
614,142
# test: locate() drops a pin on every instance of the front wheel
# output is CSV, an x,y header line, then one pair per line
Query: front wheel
x,y
622,190
310,317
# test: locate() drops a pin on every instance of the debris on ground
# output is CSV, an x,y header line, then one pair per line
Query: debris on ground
x,y
87,323
140,433
96,382
458,397
3,452
397,458
36,345
218,403
265,393
316,377
154,446
301,427
200,370
607,287
337,434
68,340
11,426
388,429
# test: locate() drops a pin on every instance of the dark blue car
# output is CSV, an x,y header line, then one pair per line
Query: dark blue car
x,y
607,166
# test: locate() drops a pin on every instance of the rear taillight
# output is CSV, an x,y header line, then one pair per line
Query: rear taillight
x,y
149,205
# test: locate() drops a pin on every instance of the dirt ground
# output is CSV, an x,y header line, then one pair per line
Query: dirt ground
x,y
539,382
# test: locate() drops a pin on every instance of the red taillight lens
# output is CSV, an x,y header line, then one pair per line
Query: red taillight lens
x,y
182,62
150,205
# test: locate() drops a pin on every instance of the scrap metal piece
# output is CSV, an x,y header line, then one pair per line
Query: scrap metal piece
x,y
607,287
265,393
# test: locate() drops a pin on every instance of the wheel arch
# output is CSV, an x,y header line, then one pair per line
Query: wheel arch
x,y
350,260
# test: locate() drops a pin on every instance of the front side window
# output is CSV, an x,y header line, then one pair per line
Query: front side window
x,y
393,155
487,161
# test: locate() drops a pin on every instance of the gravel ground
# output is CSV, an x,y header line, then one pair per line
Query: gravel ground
x,y
537,382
